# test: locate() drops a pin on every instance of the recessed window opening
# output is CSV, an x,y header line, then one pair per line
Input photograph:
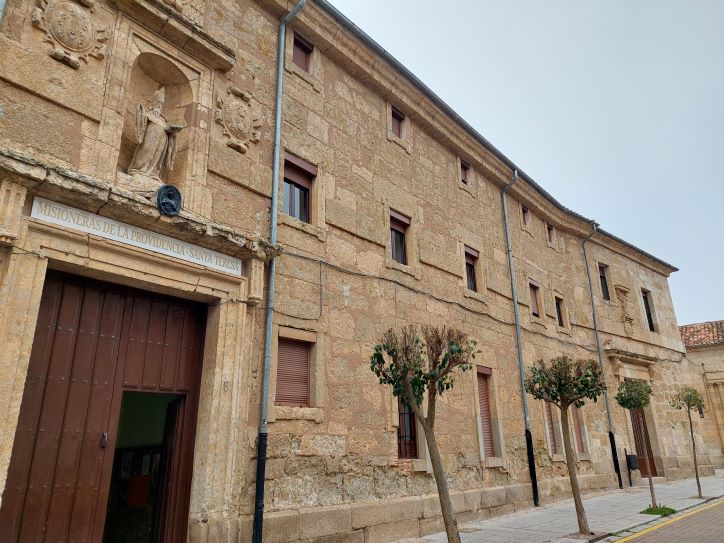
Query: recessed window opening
x,y
397,119
526,215
486,419
398,236
292,373
298,180
550,425
603,277
550,232
649,309
578,429
302,52
464,171
559,311
406,431
471,258
534,305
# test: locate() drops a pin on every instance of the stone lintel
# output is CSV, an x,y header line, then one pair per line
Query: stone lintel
x,y
91,194
181,31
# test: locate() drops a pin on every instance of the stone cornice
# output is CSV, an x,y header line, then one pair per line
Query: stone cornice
x,y
91,194
339,43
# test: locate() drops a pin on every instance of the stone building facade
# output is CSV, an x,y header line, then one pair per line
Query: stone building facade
x,y
704,342
86,139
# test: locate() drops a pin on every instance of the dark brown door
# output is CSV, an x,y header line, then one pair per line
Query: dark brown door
x,y
88,334
643,443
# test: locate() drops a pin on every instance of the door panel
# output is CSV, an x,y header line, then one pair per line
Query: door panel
x,y
91,339
641,433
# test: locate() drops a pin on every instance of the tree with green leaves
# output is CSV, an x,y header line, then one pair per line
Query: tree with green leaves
x,y
690,399
565,382
635,395
420,364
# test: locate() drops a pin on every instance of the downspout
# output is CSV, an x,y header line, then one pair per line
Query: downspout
x,y
264,404
611,436
519,340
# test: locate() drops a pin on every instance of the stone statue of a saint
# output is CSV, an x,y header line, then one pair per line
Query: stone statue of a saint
x,y
155,140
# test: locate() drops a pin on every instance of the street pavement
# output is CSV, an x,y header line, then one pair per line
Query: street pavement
x,y
610,512
703,524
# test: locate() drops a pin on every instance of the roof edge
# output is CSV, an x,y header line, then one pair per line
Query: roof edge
x,y
448,110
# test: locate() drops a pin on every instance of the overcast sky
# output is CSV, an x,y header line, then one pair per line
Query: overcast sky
x,y
616,107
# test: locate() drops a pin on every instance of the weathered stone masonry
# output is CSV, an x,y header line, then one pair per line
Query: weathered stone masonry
x,y
67,135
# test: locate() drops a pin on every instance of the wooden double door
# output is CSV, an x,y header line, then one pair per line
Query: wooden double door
x,y
644,453
97,347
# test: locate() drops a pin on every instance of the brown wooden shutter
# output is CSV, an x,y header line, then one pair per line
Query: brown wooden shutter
x,y
486,422
578,431
551,429
292,373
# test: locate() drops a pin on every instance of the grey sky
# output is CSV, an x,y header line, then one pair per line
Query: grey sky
x,y
616,107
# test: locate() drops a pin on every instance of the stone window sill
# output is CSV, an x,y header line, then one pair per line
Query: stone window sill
x,y
475,295
420,464
399,141
284,412
467,187
558,457
584,457
307,77
537,320
308,228
404,268
564,330
493,462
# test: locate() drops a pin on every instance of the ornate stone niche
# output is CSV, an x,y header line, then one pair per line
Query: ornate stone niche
x,y
71,30
154,144
158,99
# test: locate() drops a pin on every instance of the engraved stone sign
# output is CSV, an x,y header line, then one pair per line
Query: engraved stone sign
x,y
77,219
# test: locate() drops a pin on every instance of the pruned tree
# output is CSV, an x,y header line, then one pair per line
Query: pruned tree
x,y
565,382
634,395
690,399
420,364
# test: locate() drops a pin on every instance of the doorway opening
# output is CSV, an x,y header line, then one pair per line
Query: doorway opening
x,y
143,466
644,452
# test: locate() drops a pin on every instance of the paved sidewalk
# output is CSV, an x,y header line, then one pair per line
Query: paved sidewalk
x,y
608,512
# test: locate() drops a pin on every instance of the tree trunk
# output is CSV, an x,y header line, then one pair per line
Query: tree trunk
x,y
693,448
647,458
572,475
448,517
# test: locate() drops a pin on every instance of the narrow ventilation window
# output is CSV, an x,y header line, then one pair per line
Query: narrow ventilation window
x,y
464,171
302,53
534,300
603,277
398,118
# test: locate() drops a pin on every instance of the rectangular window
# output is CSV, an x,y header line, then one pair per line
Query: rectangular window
x,y
559,312
471,259
398,234
578,429
298,179
292,373
550,232
486,419
302,52
526,215
550,425
603,277
649,308
534,305
406,431
464,171
397,119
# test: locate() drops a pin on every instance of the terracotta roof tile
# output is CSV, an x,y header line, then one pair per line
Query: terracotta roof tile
x,y
702,334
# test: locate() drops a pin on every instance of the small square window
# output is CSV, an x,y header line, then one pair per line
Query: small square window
x,y
302,53
603,272
398,233
559,312
534,300
298,180
292,387
471,259
398,118
464,172
526,215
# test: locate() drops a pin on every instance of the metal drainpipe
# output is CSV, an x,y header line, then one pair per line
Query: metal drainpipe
x,y
519,340
611,436
264,404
